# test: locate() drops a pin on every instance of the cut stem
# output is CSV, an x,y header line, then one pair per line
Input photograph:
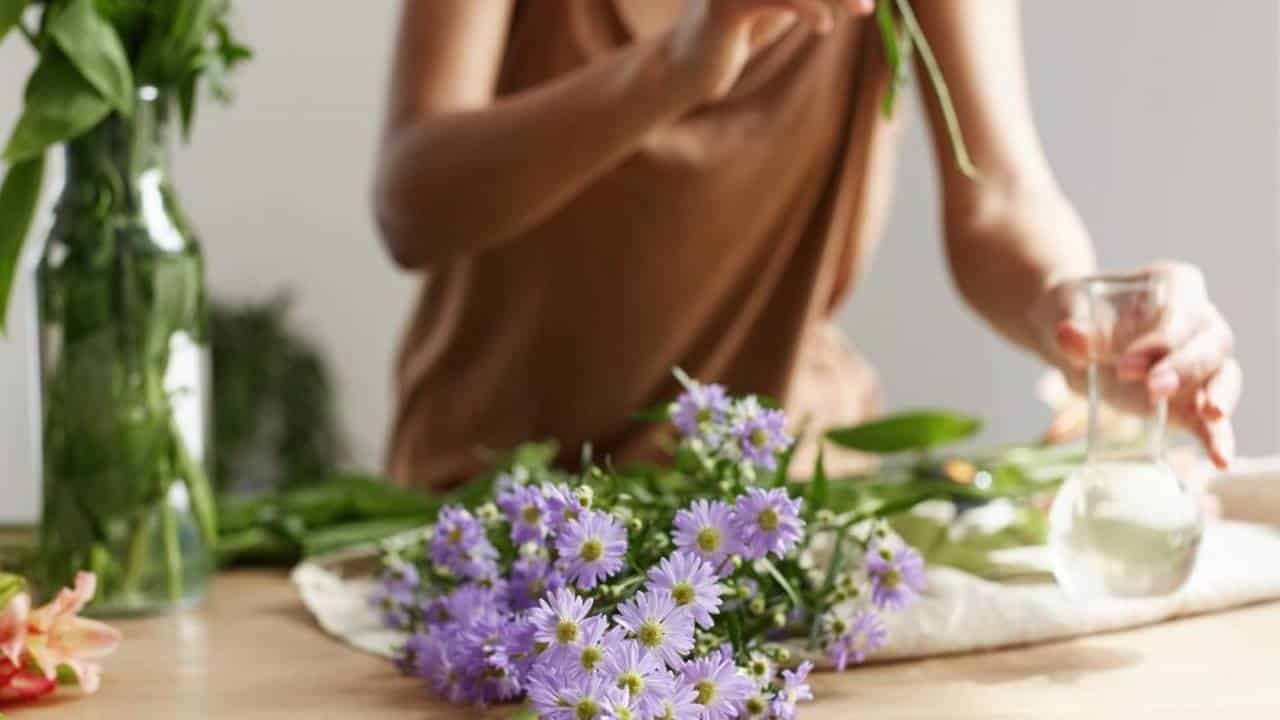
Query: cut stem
x,y
963,161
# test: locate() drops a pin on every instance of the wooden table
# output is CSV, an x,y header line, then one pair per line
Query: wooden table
x,y
253,652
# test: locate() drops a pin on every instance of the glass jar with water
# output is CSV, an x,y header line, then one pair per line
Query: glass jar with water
x,y
1123,524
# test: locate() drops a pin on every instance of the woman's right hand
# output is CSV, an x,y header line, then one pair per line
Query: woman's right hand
x,y
716,38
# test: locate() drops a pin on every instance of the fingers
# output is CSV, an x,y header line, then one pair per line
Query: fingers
x,y
1222,392
1193,362
1218,438
817,14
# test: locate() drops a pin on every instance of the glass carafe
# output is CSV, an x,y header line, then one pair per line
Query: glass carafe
x,y
1123,524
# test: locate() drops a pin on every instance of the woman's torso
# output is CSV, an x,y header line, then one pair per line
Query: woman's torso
x,y
720,246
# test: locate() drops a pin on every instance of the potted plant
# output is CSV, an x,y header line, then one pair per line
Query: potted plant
x,y
123,334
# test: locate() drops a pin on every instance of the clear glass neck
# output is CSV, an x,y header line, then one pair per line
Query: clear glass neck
x,y
122,154
1119,310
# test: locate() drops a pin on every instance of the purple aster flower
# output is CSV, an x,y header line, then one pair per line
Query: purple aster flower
x,y
865,634
652,619
760,433
396,593
795,689
705,529
691,582
897,576
548,688
407,655
459,543
699,409
767,521
588,654
564,505
720,687
620,707
759,669
589,695
756,706
531,578
518,643
640,672
558,619
526,510
490,675
442,668
592,548
681,703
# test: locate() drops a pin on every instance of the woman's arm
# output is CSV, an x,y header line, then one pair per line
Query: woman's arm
x,y
1015,243
461,170
1010,234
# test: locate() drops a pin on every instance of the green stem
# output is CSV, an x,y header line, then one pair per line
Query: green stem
x,y
136,558
833,567
172,550
939,83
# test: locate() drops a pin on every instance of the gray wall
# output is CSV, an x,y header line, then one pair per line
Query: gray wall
x,y
1160,118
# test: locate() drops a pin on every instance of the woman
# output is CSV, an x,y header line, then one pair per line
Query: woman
x,y
599,190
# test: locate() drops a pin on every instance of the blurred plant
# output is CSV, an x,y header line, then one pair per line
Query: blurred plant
x,y
93,56
275,422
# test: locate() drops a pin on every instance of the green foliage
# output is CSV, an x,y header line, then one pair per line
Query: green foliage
x,y
275,420
93,54
91,43
10,15
900,36
973,550
918,430
18,196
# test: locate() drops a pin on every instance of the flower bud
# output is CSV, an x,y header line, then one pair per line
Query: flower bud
x,y
756,606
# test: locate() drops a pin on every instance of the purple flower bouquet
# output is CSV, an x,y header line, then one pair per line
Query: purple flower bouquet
x,y
667,593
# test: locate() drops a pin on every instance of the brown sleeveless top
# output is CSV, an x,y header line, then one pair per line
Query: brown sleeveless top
x,y
722,245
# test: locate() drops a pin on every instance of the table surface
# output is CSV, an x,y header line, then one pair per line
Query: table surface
x,y
252,651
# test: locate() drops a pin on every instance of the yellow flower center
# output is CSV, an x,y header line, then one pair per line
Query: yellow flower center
x,y
708,539
891,579
592,550
767,519
759,438
706,692
566,631
755,706
455,536
632,682
586,709
651,634
530,514
591,656
682,593
703,416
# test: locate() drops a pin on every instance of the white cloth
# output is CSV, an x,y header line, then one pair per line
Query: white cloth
x,y
1238,565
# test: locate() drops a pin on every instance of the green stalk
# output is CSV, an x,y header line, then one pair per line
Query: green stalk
x,y
939,83
172,550
136,558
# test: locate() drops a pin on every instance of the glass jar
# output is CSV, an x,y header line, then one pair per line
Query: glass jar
x,y
124,375
1124,523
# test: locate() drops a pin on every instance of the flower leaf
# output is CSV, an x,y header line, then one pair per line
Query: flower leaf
x,y
816,498
917,430
18,197
95,49
10,15
60,104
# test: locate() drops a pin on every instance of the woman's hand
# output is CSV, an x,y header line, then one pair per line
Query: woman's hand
x,y
1186,359
716,38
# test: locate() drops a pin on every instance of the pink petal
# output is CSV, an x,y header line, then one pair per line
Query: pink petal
x,y
77,637
68,602
13,626
89,674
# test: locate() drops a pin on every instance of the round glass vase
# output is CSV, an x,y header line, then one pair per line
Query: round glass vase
x,y
124,379
1124,524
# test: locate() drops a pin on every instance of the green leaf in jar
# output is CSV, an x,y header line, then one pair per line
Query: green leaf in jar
x,y
60,105
10,15
18,197
93,46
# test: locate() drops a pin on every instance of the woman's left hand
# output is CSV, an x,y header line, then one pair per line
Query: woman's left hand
x,y
1187,358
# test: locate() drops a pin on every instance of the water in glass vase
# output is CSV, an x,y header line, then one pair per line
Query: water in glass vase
x,y
1125,528
1123,524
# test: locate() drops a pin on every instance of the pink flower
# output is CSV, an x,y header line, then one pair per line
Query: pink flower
x,y
21,685
56,636
13,627
35,643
